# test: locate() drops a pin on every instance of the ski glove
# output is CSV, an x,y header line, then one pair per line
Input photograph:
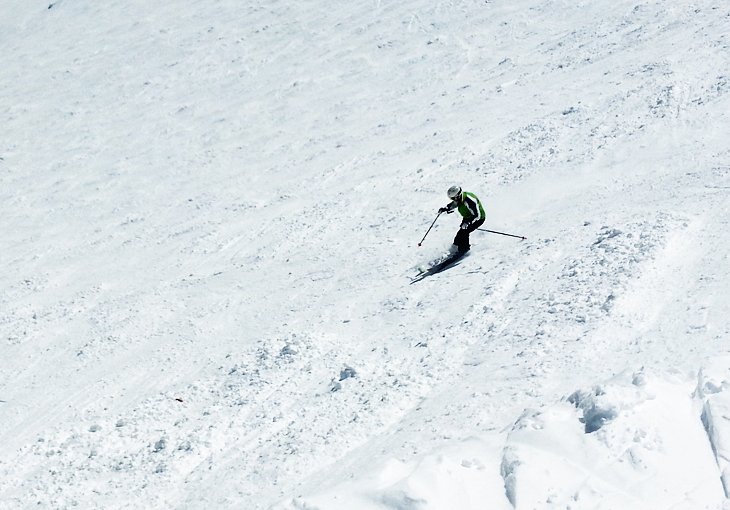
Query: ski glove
x,y
443,210
465,225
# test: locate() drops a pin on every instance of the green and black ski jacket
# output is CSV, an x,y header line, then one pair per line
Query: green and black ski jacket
x,y
469,207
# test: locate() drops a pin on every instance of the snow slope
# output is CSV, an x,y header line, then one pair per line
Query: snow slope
x,y
209,212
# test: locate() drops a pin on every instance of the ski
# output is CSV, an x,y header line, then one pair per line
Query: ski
x,y
443,265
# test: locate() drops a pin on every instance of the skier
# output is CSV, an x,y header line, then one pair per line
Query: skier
x,y
472,212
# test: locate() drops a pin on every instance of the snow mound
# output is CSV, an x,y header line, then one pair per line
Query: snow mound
x,y
634,442
638,440
714,390
452,477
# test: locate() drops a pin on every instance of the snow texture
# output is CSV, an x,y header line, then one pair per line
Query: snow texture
x,y
210,215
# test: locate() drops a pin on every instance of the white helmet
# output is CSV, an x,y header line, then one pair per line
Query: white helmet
x,y
454,192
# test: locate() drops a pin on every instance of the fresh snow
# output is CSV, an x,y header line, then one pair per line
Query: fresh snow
x,y
210,212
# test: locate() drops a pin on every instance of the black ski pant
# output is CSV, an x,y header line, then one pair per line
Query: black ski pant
x,y
462,236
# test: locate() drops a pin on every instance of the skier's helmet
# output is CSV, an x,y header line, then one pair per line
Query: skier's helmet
x,y
454,192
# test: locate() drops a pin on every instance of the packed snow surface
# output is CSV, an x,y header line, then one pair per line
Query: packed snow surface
x,y
210,213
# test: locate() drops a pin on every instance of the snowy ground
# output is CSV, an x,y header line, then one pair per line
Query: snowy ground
x,y
209,212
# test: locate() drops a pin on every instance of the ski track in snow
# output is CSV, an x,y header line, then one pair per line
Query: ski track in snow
x,y
209,212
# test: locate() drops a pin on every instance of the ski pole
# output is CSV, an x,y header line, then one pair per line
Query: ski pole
x,y
429,229
501,233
